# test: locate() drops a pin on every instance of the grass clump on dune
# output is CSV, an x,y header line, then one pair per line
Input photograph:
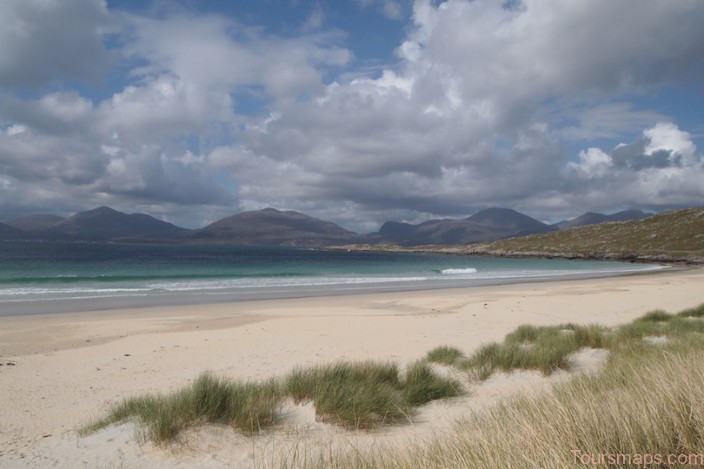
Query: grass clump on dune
x,y
247,406
356,395
540,348
422,385
444,355
353,395
662,324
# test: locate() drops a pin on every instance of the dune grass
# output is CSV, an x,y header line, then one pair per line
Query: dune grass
x,y
649,399
246,406
644,409
353,395
422,385
444,355
541,348
357,395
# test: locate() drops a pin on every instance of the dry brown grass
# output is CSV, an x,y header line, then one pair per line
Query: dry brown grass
x,y
645,409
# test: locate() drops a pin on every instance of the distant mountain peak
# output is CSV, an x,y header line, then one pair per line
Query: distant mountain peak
x,y
106,223
592,218
486,225
270,226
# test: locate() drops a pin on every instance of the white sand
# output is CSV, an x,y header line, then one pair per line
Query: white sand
x,y
69,368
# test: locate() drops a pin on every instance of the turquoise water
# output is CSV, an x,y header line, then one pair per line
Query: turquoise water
x,y
56,271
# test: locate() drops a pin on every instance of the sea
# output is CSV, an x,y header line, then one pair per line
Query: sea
x,y
54,277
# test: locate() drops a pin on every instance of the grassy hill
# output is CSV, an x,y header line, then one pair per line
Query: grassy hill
x,y
670,237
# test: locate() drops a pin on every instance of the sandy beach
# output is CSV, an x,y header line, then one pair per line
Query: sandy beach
x,y
60,371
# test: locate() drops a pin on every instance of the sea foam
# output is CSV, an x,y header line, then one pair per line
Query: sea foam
x,y
468,270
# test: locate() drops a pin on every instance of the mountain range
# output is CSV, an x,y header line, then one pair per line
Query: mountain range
x,y
273,227
487,225
591,218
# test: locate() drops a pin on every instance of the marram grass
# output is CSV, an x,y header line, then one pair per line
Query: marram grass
x,y
246,406
444,355
353,395
648,401
645,409
546,349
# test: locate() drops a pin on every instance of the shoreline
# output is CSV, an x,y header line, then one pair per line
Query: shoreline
x,y
69,368
199,298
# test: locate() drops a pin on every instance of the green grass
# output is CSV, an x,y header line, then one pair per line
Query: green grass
x,y
696,312
648,400
540,348
444,355
353,395
648,397
422,385
246,406
548,348
356,395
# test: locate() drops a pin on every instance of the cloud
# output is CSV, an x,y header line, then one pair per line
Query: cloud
x,y
461,122
482,106
45,41
219,53
667,137
662,169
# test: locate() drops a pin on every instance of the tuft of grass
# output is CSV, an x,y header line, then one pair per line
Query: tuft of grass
x,y
444,355
354,395
255,406
422,385
696,312
246,406
540,348
655,316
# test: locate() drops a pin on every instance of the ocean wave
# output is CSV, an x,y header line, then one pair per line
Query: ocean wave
x,y
278,282
467,270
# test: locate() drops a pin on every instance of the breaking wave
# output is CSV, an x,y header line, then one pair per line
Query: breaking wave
x,y
468,270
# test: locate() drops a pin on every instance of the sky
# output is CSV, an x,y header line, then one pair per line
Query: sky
x,y
353,111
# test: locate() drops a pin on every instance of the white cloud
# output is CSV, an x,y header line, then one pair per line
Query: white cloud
x,y
644,173
479,109
666,136
593,162
222,54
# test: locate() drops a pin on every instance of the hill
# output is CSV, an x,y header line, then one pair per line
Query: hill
x,y
591,218
271,227
487,225
107,224
669,237
676,236
40,221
